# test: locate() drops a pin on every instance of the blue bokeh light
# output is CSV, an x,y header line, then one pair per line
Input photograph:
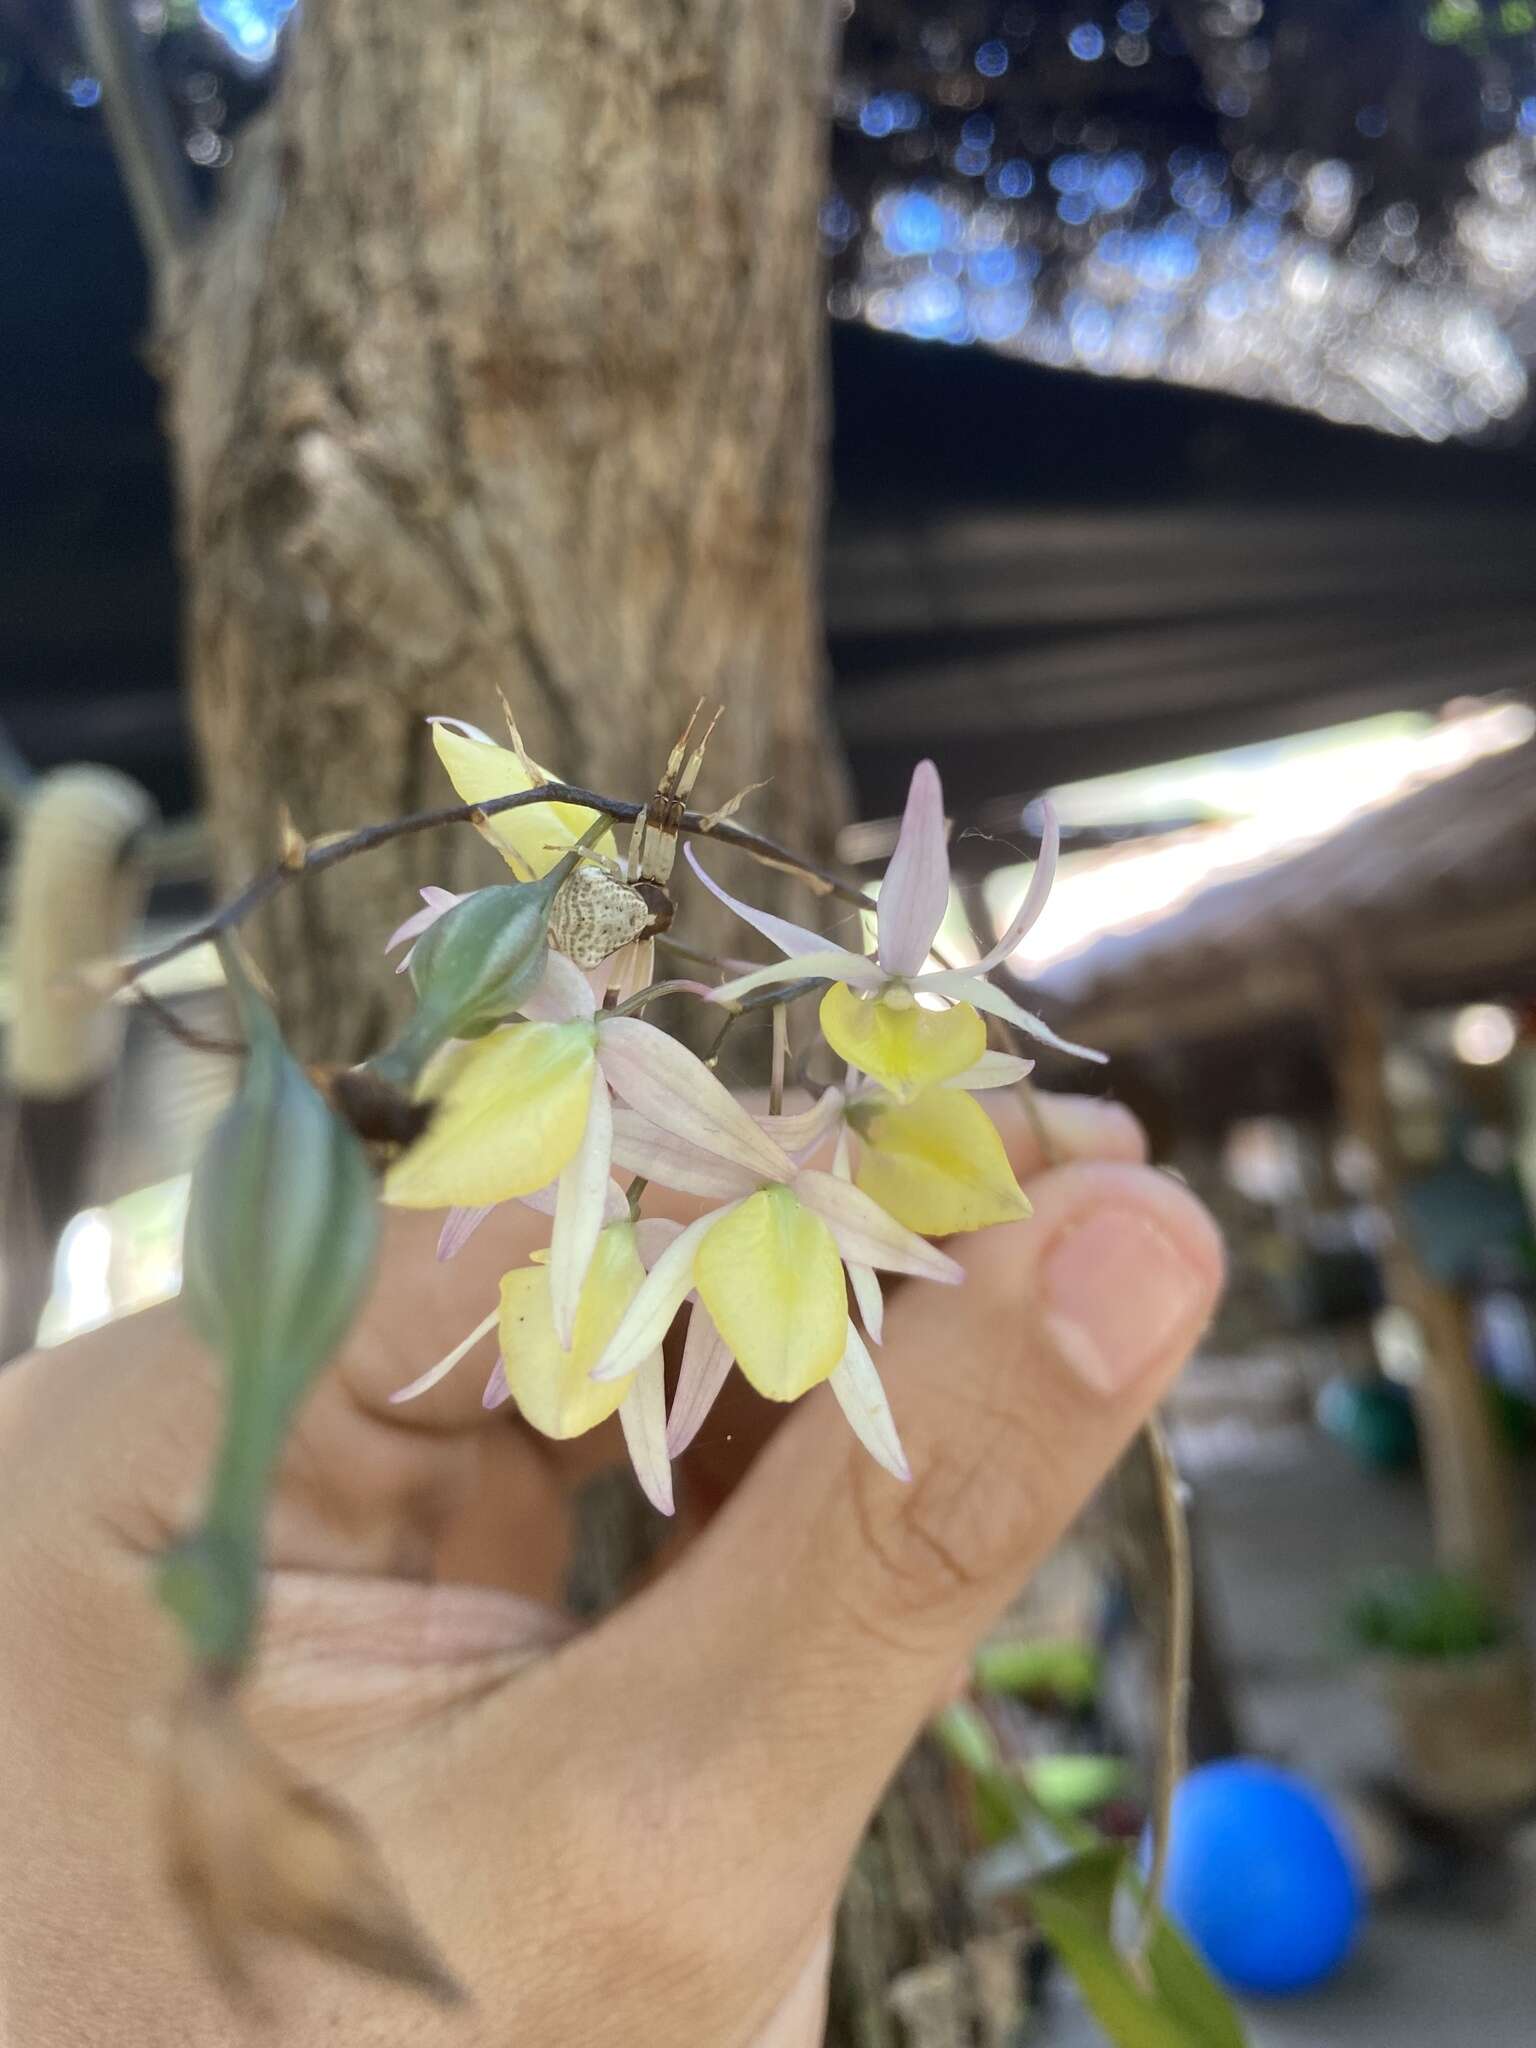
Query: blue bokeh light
x,y
1014,179
993,267
914,223
251,28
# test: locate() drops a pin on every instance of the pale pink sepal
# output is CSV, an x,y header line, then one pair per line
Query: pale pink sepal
x,y
497,1392
444,1366
992,1070
643,1419
835,963
652,1236
604,976
543,1200
915,892
659,1297
678,1093
1028,912
862,1399
638,1147
803,1130
865,1282
562,995
636,968
791,939
965,987
866,1234
842,1151
705,1368
437,903
459,1226
579,1205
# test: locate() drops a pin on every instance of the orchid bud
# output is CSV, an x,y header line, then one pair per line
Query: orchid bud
x,y
281,1231
474,966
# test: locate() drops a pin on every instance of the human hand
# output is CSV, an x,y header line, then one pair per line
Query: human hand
x,y
633,1834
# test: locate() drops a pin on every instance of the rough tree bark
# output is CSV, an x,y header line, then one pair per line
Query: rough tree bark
x,y
502,368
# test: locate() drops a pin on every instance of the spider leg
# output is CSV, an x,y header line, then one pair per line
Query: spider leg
x,y
690,774
653,843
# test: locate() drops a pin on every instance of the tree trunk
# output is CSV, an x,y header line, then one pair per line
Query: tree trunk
x,y
502,368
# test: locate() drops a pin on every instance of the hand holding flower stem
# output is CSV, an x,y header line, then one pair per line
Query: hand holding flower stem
x,y
536,1078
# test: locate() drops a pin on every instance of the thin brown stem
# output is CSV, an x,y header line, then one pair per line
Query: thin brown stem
x,y
187,1034
1173,1759
1173,1729
712,1057
780,1059
331,851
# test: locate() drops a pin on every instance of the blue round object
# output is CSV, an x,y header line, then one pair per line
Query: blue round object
x,y
1261,1877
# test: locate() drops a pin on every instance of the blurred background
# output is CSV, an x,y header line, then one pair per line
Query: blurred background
x,y
1182,467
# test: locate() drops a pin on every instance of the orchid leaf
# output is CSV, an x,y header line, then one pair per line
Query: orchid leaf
x,y
1072,1878
1067,1671
1167,1999
1072,1908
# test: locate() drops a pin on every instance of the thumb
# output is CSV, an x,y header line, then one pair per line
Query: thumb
x,y
839,1601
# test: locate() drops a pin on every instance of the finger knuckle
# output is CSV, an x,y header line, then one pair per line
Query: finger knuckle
x,y
963,1528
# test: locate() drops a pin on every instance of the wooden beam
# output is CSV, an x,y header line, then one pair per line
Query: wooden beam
x,y
1445,955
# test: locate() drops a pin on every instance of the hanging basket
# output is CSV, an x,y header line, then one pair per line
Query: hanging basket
x,y
1466,1729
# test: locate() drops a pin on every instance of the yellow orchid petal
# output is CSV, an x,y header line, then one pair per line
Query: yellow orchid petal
x,y
770,1276
530,840
554,1389
898,1043
937,1164
509,1115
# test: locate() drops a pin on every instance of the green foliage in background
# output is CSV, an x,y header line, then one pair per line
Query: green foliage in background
x,y
1083,1891
1436,1615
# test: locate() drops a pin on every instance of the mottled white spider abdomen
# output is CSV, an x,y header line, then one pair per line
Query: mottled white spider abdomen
x,y
595,915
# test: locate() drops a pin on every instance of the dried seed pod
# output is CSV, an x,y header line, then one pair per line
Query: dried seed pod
x,y
595,915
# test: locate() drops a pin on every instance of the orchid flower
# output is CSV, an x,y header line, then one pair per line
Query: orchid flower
x,y
767,1267
530,840
939,1166
871,1015
551,1381
534,1100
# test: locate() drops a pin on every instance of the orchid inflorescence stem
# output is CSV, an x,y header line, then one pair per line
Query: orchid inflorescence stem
x,y
330,851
